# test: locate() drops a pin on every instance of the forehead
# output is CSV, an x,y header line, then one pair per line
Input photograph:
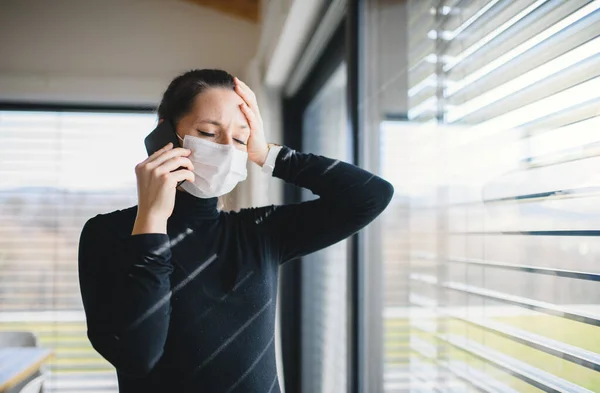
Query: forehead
x,y
217,102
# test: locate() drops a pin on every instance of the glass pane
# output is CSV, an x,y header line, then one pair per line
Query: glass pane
x,y
324,305
485,117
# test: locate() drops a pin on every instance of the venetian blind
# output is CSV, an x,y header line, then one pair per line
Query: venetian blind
x,y
57,170
503,133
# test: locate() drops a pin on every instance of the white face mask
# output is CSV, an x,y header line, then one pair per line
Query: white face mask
x,y
217,168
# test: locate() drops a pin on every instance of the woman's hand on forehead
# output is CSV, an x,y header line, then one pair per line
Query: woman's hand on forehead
x,y
257,144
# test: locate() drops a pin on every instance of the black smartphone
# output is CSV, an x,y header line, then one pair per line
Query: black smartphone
x,y
159,137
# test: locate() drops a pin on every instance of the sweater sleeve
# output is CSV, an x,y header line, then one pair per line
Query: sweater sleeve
x,y
125,288
349,199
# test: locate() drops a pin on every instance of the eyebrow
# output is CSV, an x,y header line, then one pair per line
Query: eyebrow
x,y
216,123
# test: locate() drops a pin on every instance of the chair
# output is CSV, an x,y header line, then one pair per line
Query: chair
x,y
33,386
18,339
25,339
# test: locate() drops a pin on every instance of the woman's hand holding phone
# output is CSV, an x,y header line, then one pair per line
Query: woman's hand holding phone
x,y
157,180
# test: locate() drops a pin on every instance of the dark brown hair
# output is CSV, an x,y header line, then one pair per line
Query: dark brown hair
x,y
179,97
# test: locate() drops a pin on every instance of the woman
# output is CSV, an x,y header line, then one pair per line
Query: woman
x,y
180,296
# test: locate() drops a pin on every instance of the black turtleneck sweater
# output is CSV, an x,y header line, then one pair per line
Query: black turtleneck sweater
x,y
194,310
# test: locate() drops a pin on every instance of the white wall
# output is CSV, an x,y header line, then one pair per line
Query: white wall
x,y
113,51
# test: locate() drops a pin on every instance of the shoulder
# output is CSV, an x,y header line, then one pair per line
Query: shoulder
x,y
118,223
102,236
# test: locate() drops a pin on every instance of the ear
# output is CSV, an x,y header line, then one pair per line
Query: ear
x,y
160,120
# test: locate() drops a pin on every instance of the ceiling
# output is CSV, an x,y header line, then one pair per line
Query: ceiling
x,y
245,9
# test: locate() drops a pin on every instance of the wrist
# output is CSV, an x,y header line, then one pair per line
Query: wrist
x,y
148,224
261,157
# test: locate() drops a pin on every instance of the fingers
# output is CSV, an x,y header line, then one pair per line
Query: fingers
x,y
250,108
174,163
167,155
244,89
157,153
247,95
181,175
250,116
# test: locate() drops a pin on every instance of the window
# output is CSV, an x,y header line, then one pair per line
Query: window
x,y
488,128
59,169
324,273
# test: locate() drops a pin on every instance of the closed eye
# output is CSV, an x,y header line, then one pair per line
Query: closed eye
x,y
208,134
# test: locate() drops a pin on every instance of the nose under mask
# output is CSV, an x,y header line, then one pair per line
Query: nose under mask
x,y
217,168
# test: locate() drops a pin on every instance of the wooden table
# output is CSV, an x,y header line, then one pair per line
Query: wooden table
x,y
18,363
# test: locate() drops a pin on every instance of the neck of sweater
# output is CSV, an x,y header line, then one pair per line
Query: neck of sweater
x,y
190,207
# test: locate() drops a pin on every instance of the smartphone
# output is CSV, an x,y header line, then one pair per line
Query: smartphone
x,y
159,137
